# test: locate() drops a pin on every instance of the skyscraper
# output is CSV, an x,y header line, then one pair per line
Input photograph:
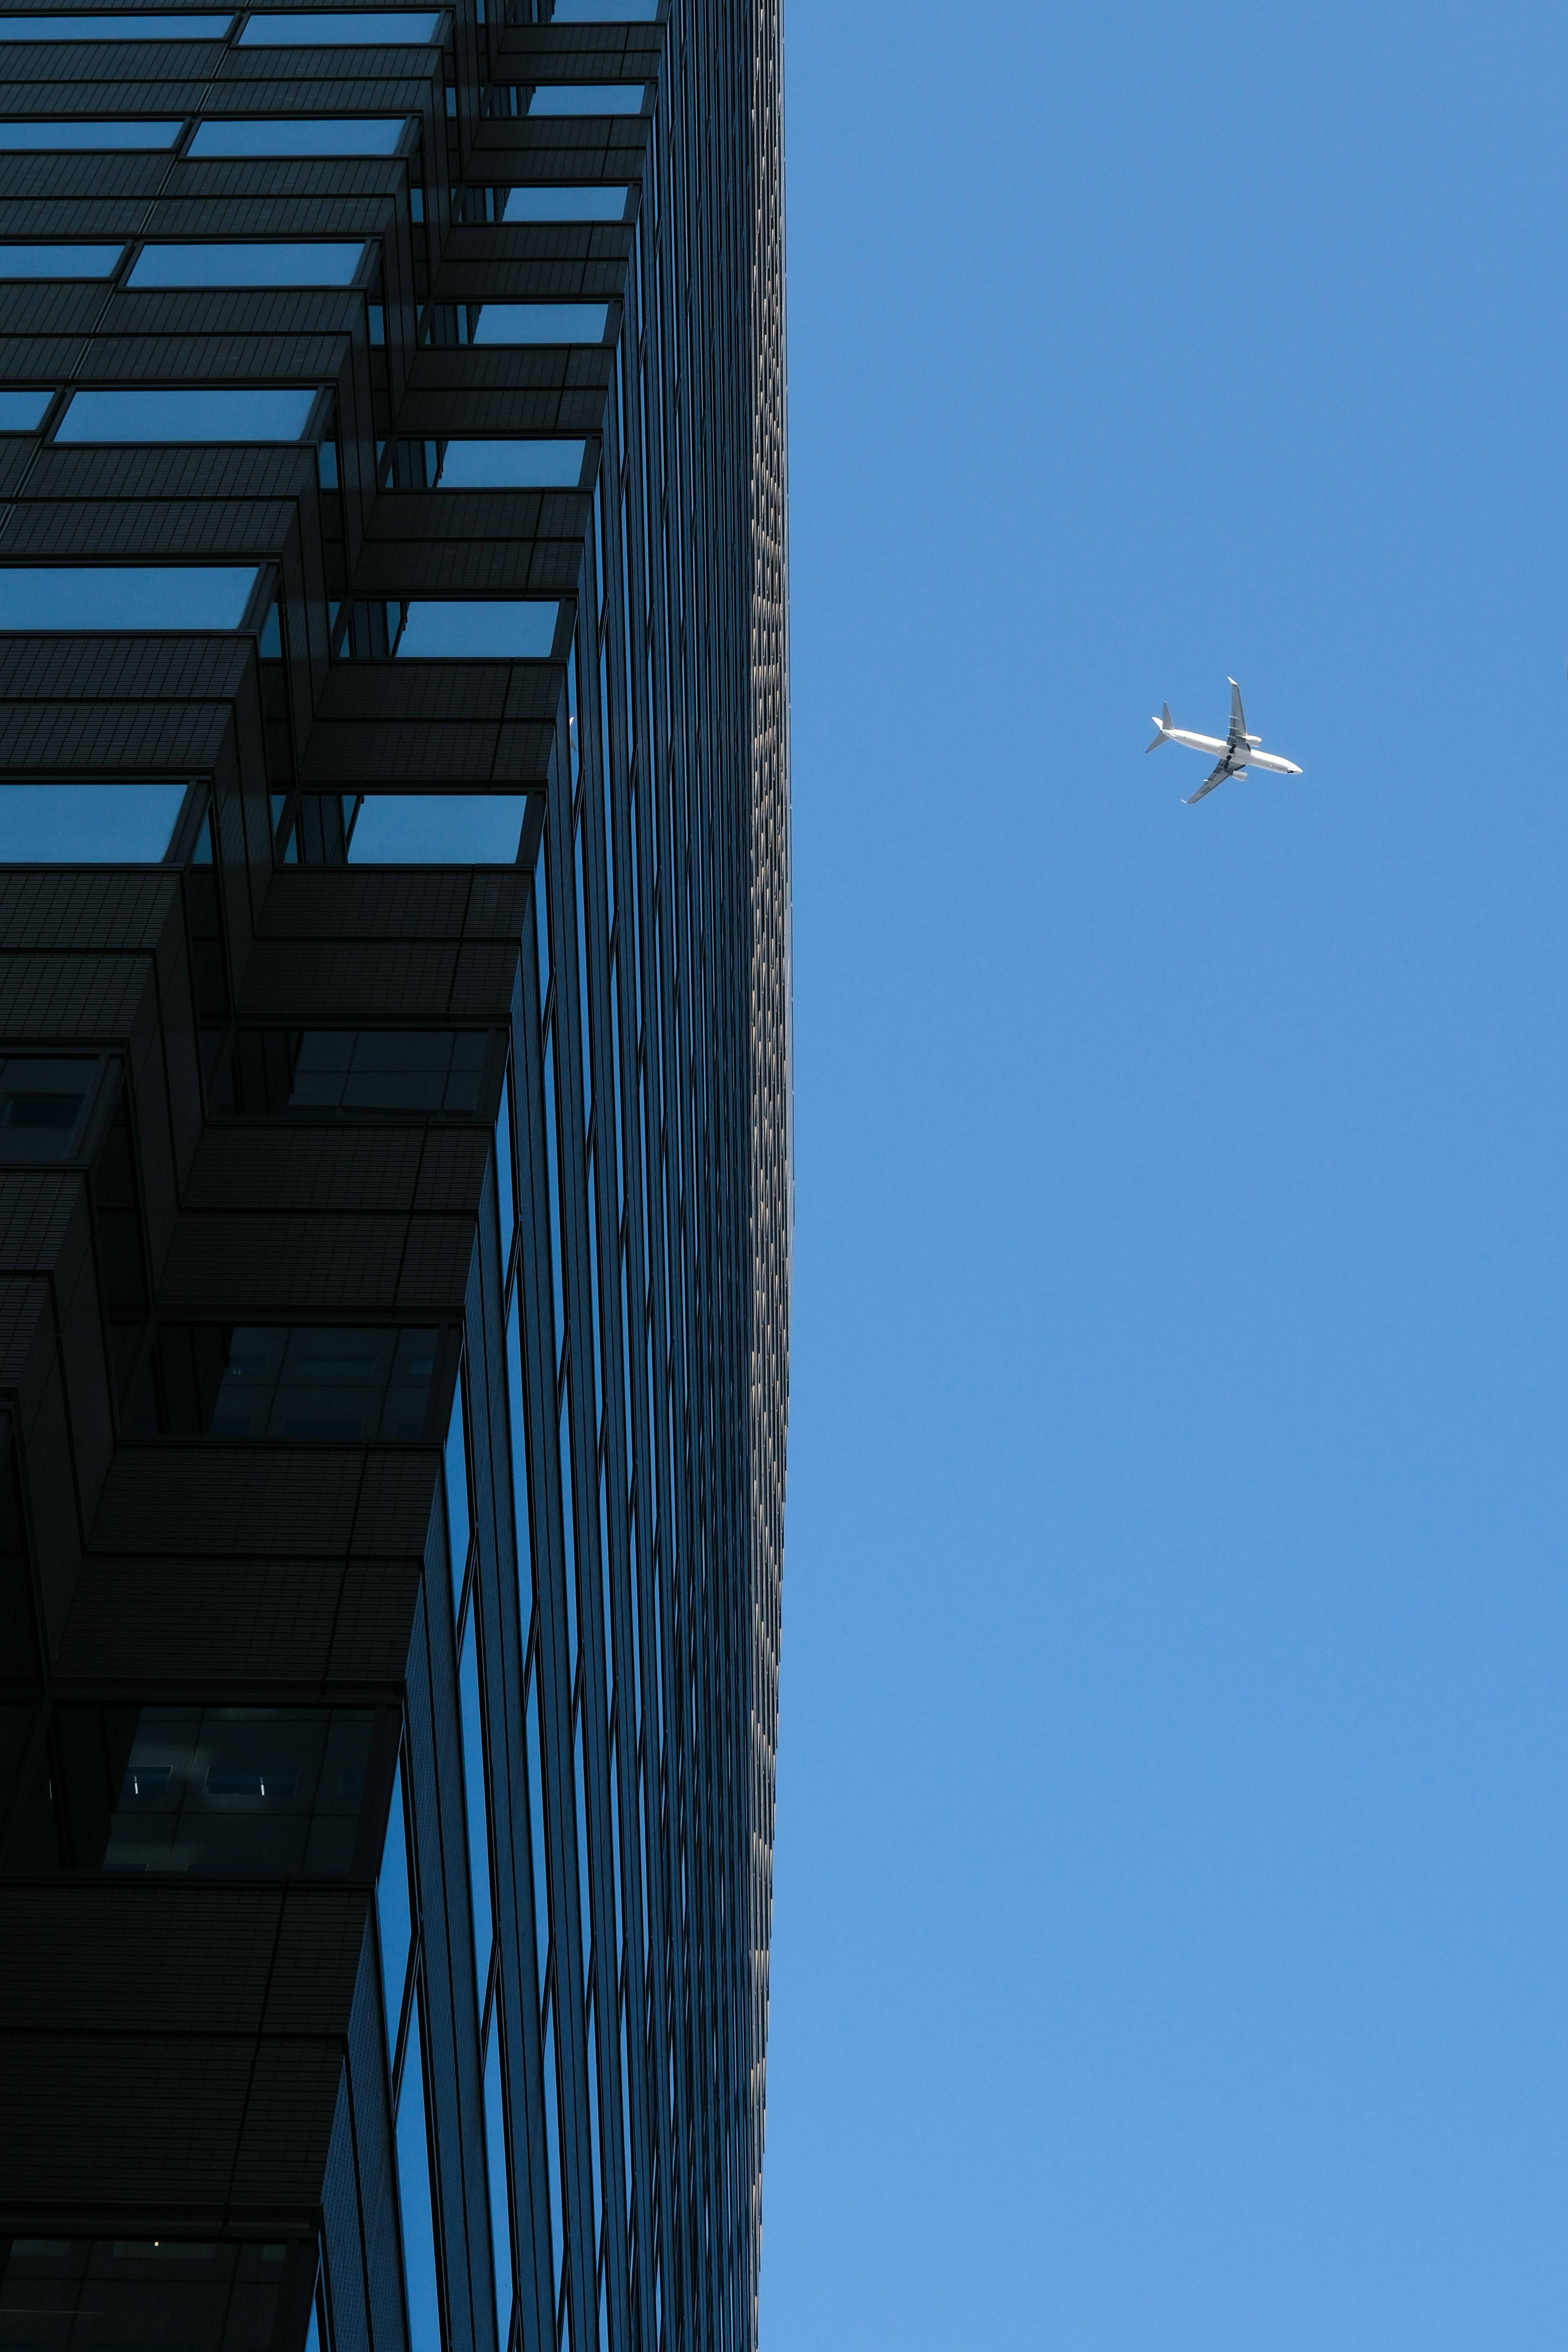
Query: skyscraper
x,y
396,1170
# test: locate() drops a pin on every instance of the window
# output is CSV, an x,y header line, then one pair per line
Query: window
x,y
80,824
128,27
22,412
455,1460
332,28
60,261
41,1105
541,322
57,137
586,97
505,1210
438,829
398,1915
497,629
259,412
512,465
162,2290
364,134
300,1383
557,203
476,1797
395,1913
519,1435
321,262
125,596
414,2196
500,2206
344,1071
254,1793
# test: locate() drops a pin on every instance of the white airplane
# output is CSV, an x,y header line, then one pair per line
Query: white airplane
x,y
1238,753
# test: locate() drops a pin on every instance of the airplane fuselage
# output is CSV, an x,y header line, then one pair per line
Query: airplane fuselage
x,y
1247,754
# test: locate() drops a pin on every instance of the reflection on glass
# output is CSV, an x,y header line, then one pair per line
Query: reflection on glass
x,y
344,1071
297,1382
414,2193
59,260
395,1910
490,629
57,138
41,1104
80,824
307,262
519,1434
361,134
542,322
559,203
22,412
438,829
145,2295
512,465
235,413
500,2210
230,1792
457,1464
504,1174
478,1810
124,596
134,26
586,97
330,28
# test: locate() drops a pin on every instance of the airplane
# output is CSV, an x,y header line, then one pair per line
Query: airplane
x,y
1238,753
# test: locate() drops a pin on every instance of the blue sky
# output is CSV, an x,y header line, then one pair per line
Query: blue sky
x,y
1170,1927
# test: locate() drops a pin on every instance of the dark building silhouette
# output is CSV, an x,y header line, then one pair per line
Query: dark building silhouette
x,y
394,1172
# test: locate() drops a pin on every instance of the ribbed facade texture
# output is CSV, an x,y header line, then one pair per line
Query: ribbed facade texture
x,y
395,1172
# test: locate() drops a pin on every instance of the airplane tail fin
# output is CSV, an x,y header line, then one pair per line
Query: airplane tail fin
x,y
1162,722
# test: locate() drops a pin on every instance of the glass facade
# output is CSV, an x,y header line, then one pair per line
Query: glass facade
x,y
395,1136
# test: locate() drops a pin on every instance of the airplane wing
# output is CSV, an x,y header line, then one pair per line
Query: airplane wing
x,y
1215,776
1238,716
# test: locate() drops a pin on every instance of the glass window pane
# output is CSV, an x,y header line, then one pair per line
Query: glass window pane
x,y
305,262
125,596
541,322
519,1466
331,28
504,1174
479,1807
512,466
364,134
59,260
22,412
457,1494
586,97
595,203
395,1910
500,2208
259,412
438,829
414,2194
107,27
83,825
495,630
56,138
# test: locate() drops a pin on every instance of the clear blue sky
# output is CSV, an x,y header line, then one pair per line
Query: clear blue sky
x,y
1170,1929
